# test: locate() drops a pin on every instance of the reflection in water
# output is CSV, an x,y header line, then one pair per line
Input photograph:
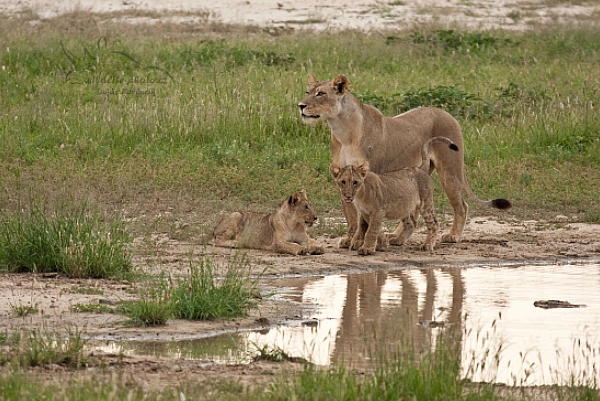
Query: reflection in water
x,y
487,315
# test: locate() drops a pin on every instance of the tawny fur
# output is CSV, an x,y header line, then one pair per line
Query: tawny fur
x,y
360,133
398,195
281,231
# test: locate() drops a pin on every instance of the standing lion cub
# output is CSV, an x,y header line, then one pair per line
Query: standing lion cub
x,y
400,194
281,231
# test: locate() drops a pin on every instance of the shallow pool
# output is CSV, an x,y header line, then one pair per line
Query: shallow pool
x,y
359,319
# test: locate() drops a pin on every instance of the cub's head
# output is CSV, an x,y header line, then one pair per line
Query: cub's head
x,y
323,98
301,209
349,179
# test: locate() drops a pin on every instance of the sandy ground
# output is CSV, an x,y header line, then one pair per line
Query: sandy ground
x,y
365,15
496,240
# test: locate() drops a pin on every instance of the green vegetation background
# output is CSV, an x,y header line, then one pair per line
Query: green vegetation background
x,y
142,120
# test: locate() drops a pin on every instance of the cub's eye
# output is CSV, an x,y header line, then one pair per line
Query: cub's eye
x,y
355,183
343,182
306,207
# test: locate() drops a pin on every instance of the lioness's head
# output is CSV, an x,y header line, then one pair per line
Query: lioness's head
x,y
301,209
323,98
349,179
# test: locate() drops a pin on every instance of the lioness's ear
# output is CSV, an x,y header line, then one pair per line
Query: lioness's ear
x,y
312,80
334,169
341,83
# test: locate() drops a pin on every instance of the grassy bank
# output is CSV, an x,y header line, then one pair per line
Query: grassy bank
x,y
124,116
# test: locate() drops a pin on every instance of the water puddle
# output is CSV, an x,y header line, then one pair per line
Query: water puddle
x,y
490,311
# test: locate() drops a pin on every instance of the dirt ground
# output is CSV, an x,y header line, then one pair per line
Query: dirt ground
x,y
499,240
488,241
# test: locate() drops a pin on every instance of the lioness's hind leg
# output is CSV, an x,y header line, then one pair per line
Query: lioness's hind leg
x,y
453,186
403,232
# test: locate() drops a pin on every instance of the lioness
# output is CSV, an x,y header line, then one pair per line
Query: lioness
x,y
401,194
281,231
360,132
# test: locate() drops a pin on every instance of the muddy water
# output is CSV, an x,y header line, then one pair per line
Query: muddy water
x,y
360,319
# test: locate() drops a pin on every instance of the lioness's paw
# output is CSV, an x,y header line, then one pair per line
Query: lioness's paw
x,y
427,247
395,239
452,238
345,242
355,245
382,247
366,251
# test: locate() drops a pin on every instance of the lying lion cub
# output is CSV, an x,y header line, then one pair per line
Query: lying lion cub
x,y
401,194
282,231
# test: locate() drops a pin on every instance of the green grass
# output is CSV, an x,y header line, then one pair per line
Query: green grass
x,y
77,243
23,310
220,119
200,295
401,375
203,295
42,348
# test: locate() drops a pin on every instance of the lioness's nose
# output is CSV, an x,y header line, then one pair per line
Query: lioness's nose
x,y
302,106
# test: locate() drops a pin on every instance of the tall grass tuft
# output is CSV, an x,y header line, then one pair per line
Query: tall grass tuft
x,y
153,307
30,349
204,295
76,243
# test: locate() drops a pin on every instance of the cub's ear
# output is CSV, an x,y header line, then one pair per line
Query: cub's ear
x,y
335,170
363,169
295,198
340,84
312,80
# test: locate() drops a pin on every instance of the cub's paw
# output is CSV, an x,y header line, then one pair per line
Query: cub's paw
x,y
316,250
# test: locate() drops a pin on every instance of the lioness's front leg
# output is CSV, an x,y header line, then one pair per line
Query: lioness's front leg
x,y
351,219
403,232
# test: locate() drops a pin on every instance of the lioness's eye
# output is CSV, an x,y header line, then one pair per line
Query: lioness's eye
x,y
320,93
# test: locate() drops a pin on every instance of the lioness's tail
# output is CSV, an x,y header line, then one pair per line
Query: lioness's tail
x,y
499,203
425,158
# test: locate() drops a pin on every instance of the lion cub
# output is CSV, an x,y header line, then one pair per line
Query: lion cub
x,y
401,194
281,231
